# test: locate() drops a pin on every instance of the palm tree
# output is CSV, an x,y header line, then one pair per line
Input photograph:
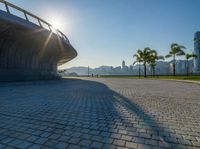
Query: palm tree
x,y
187,57
153,59
176,50
138,57
144,54
144,57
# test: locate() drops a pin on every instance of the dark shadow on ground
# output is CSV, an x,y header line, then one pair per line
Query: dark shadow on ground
x,y
128,116
87,110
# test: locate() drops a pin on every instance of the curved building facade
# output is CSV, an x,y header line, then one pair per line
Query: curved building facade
x,y
197,52
30,50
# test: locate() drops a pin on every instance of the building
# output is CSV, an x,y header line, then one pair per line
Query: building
x,y
28,50
197,52
123,64
125,68
163,68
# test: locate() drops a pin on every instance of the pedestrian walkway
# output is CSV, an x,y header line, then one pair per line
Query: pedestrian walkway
x,y
100,113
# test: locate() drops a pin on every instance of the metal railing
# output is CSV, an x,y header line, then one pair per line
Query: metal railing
x,y
26,17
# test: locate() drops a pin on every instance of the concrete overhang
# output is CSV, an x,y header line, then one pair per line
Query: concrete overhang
x,y
29,50
37,34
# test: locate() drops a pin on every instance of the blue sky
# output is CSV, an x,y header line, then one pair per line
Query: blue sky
x,y
105,32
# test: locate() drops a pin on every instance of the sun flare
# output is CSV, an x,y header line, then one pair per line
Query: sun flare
x,y
58,22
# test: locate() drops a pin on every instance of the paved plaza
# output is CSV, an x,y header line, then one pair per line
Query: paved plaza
x,y
100,113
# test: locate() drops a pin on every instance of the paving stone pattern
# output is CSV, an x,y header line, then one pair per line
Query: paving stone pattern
x,y
100,113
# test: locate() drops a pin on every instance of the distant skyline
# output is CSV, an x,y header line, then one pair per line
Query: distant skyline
x,y
105,32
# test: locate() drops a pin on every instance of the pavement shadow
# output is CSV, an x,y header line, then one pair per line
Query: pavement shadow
x,y
122,116
80,112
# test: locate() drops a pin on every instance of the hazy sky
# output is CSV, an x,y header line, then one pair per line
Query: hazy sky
x,y
105,32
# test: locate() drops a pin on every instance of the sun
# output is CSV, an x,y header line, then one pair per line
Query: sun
x,y
58,22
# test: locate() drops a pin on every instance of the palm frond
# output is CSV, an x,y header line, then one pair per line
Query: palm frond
x,y
188,56
174,45
168,56
180,52
194,56
154,53
139,51
135,55
147,49
135,62
177,49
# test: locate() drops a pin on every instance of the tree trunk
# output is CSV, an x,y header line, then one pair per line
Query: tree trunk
x,y
145,70
139,70
151,71
154,72
174,66
187,68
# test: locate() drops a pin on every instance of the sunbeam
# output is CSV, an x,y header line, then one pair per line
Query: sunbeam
x,y
45,44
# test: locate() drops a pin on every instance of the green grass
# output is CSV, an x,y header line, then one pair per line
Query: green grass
x,y
191,78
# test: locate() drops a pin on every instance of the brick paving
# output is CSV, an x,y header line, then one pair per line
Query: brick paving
x,y
100,113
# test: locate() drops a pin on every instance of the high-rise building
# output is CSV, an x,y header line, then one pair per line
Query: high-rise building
x,y
123,64
197,52
163,68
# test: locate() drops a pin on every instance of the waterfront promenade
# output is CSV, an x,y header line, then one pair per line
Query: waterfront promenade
x,y
100,113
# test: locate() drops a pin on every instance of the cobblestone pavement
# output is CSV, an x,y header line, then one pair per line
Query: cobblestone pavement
x,y
100,113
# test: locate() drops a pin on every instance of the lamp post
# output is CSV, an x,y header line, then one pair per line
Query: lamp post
x,y
88,71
